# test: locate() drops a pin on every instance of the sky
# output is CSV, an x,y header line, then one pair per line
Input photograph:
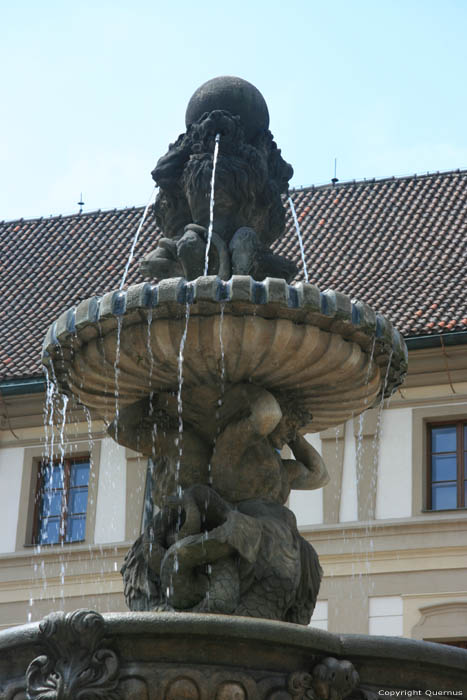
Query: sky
x,y
95,90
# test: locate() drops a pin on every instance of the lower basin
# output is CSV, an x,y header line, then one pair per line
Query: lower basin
x,y
157,656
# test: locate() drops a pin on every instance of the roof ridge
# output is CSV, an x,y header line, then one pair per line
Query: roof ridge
x,y
70,216
372,180
307,188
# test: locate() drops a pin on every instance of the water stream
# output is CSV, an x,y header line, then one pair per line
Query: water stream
x,y
180,400
179,439
211,203
220,400
117,375
221,344
46,473
64,398
377,437
299,236
151,390
359,439
376,449
51,393
135,239
364,545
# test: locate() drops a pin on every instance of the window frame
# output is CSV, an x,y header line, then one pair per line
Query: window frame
x,y
461,479
67,490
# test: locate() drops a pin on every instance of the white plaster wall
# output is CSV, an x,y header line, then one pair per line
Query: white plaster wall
x,y
111,494
386,616
319,619
394,487
349,502
11,468
308,505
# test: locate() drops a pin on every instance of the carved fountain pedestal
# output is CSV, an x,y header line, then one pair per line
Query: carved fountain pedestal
x,y
188,656
211,377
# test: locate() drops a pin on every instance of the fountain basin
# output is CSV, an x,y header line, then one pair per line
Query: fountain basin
x,y
334,357
137,656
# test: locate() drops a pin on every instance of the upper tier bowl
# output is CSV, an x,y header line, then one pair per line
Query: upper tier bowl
x,y
333,357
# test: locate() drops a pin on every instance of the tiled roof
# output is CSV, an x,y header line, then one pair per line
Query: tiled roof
x,y
398,244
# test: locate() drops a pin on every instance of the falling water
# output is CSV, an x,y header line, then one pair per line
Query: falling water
x,y
299,235
377,438
48,409
63,485
220,400
62,474
358,451
360,542
149,347
179,397
376,447
211,203
92,472
135,239
49,413
151,392
221,343
87,413
51,392
117,375
49,447
48,392
151,461
101,346
62,427
179,439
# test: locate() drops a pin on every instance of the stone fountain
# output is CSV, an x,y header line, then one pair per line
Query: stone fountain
x,y
212,367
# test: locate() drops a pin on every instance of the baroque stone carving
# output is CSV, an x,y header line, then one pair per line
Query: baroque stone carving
x,y
213,657
330,679
250,177
243,560
75,665
212,378
227,544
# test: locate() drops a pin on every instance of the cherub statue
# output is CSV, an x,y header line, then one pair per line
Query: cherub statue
x,y
223,541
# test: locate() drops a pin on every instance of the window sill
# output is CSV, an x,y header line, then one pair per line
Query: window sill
x,y
29,545
445,510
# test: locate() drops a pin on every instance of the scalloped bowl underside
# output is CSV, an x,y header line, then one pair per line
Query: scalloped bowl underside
x,y
320,349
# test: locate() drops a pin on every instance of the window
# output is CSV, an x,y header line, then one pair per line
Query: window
x,y
447,465
319,619
385,616
61,501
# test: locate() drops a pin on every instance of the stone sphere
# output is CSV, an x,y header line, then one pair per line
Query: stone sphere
x,y
234,95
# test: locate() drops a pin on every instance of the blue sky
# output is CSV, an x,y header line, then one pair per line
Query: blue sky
x,y
93,91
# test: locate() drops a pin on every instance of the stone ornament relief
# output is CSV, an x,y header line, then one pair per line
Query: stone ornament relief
x,y
75,665
78,665
330,679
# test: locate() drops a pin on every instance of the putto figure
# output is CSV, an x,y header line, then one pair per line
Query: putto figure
x,y
250,177
223,540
